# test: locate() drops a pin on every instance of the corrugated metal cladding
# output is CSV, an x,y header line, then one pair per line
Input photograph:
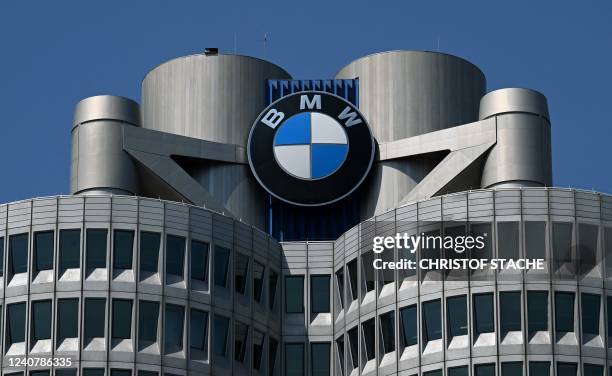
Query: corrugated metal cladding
x,y
288,222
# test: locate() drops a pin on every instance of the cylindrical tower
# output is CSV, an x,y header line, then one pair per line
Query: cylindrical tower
x,y
214,98
522,154
99,163
405,94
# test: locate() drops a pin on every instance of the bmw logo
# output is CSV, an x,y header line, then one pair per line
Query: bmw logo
x,y
310,148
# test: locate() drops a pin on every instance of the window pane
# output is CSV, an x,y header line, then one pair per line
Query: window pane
x,y
483,314
258,343
437,372
369,338
409,325
609,311
564,312
41,320
294,359
258,275
590,314
121,372
65,372
1,256
123,248
367,268
562,247
221,266
458,371
148,318
96,248
539,368
18,253
68,319
320,360
588,237
354,346
272,288
241,332
95,317
15,329
508,240
484,370
319,293
149,251
512,369
593,370
147,373
456,314
241,270
608,248
39,373
173,337
43,250
294,294
510,311
69,249
220,335
199,260
352,273
387,329
122,319
340,282
432,326
272,348
537,311
535,240
340,349
198,330
175,255
93,371
567,369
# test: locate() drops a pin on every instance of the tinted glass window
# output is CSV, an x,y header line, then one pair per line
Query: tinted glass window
x,y
258,343
483,314
590,314
65,372
539,368
241,270
456,315
272,348
175,255
96,248
564,312
69,249
512,369
149,251
319,293
484,370
432,325
609,317
95,317
43,250
148,317
537,311
273,280
18,253
258,275
535,240
173,338
340,282
567,369
458,371
409,325
294,294
340,349
1,256
41,320
123,248
198,330
352,274
508,240
510,311
15,330
39,373
122,319
68,319
593,370
93,371
354,346
241,332
562,244
121,372
588,237
199,260
294,359
387,330
437,372
368,275
608,248
221,266
369,338
220,335
320,359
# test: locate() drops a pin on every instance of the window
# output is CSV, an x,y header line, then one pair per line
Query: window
x,y
220,335
241,270
147,373
593,370
95,309
272,348
340,282
432,325
39,373
567,369
437,372
96,248
387,331
65,372
458,371
41,320
18,254
588,237
148,317
241,332
369,338
320,360
539,368
409,325
122,319
564,311
352,274
484,370
258,343
175,255
149,251
562,246
93,371
340,349
198,330
258,278
43,251
294,359
1,256
367,268
607,245
294,294
510,311
483,314
354,346
68,319
537,311
512,369
221,266
319,294
69,250
15,328
121,372
456,316
590,314
508,240
123,248
273,280
199,260
535,240
609,302
173,341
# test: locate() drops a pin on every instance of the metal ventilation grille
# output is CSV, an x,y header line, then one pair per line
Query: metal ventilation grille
x,y
347,89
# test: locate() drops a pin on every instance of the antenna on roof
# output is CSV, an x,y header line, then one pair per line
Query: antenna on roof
x,y
265,42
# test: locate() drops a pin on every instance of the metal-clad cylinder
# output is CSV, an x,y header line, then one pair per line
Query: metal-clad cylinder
x,y
405,94
522,155
99,164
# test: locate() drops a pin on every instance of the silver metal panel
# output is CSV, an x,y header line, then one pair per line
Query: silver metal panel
x,y
513,100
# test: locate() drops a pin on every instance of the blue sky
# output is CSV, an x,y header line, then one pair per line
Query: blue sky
x,y
54,53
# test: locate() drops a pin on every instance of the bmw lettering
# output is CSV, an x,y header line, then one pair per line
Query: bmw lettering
x,y
310,148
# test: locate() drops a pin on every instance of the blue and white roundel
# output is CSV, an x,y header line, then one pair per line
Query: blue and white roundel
x,y
310,145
